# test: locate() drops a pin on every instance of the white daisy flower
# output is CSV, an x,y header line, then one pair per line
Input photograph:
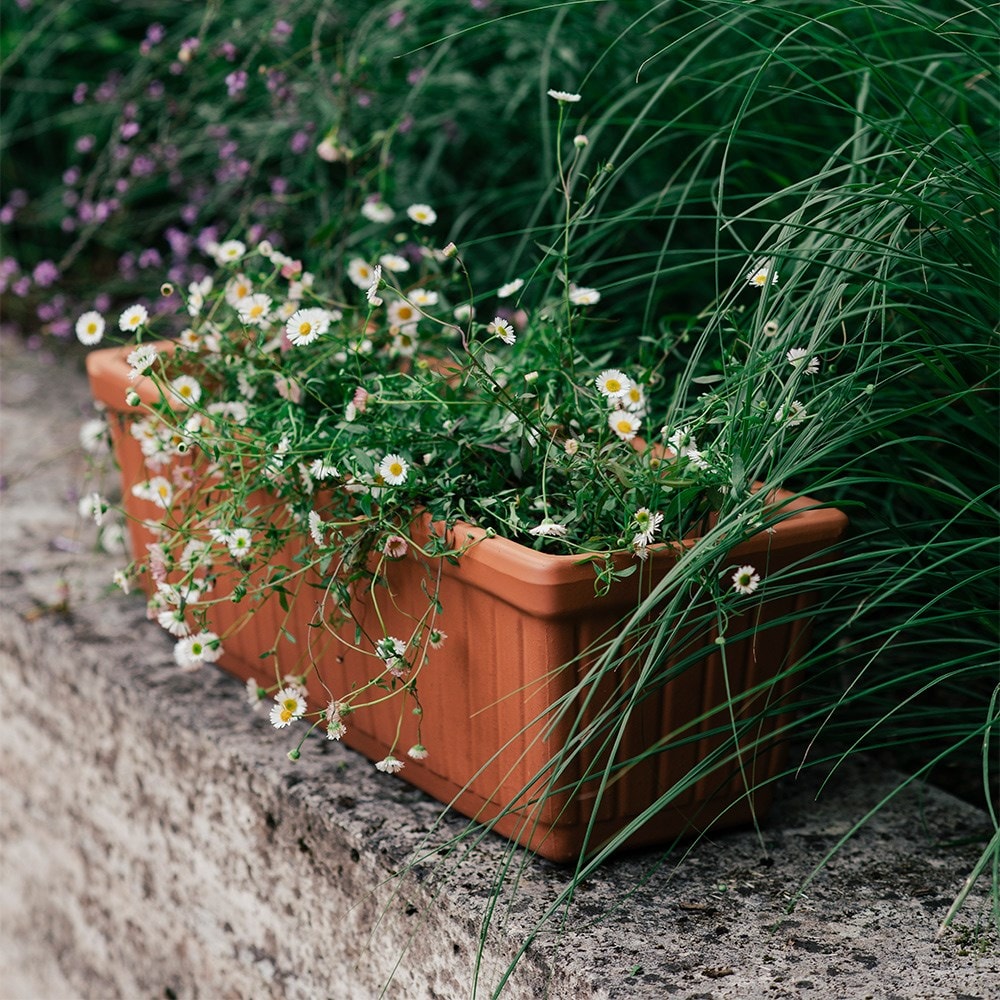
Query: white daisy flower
x,y
197,291
422,214
320,470
393,470
94,436
505,291
423,297
648,522
173,620
399,312
158,489
626,425
502,329
797,359
185,388
133,318
90,328
193,651
548,529
745,580
563,96
230,251
418,751
306,325
316,528
791,414
436,639
377,211
390,765
289,706
237,289
393,262
613,383
335,729
762,275
141,360
93,505
371,292
239,541
584,296
405,342
634,399
255,309
359,272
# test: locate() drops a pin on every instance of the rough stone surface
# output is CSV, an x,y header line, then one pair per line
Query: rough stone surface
x,y
158,843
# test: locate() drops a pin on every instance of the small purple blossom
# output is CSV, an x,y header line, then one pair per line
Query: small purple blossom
x,y
85,143
129,130
45,273
236,82
80,93
227,50
300,142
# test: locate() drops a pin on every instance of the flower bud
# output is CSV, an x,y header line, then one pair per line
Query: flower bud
x,y
166,289
450,250
132,398
580,141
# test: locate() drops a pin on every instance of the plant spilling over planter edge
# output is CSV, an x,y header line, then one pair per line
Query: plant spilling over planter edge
x,y
379,510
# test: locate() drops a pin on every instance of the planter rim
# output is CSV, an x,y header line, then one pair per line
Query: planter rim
x,y
521,573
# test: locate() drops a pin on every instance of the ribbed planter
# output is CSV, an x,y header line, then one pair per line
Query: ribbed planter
x,y
520,623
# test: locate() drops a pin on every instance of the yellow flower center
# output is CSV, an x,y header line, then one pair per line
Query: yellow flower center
x,y
256,311
395,469
91,327
624,426
304,329
613,385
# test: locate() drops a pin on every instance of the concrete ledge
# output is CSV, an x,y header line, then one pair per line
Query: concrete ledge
x,y
157,843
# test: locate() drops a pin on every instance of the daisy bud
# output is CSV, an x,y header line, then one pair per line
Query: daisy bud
x,y
166,289
294,754
450,250
580,141
132,398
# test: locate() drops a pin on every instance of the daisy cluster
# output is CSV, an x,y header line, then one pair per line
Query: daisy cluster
x,y
300,424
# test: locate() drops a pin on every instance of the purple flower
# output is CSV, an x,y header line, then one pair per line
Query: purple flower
x,y
227,50
150,257
45,273
85,143
22,286
129,130
236,82
279,185
180,242
299,143
189,214
6,215
395,19
281,31
79,93
142,166
155,89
